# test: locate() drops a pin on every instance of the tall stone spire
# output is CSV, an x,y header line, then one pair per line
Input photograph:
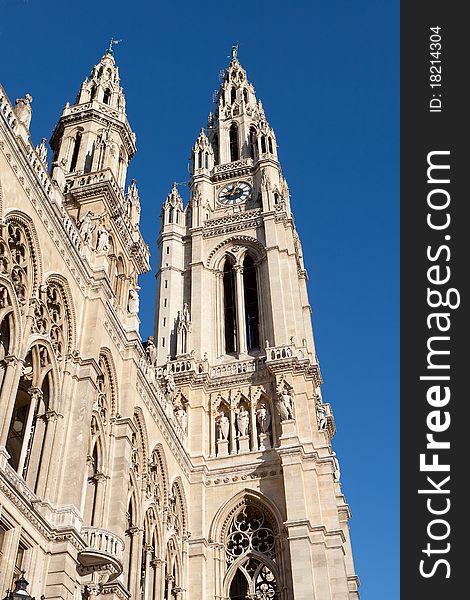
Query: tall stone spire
x,y
239,128
93,134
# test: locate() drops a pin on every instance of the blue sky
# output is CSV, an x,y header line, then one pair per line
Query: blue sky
x,y
327,73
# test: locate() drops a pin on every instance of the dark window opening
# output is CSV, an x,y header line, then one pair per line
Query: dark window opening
x,y
234,154
229,307
17,429
245,95
215,146
89,159
76,148
270,145
251,304
233,95
263,144
239,587
106,96
93,93
253,143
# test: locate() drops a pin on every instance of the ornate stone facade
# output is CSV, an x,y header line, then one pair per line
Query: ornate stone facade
x,y
196,465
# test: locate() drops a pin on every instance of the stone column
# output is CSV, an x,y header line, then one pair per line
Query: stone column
x,y
233,439
134,558
212,433
97,514
43,463
254,429
36,395
10,383
158,566
241,325
147,591
220,320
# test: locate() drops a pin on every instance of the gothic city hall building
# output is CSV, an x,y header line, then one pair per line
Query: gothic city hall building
x,y
196,464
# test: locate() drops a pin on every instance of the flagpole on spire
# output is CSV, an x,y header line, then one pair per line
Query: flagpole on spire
x,y
111,44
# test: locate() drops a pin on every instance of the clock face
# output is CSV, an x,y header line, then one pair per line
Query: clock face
x,y
234,193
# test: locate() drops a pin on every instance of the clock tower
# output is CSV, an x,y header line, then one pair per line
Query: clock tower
x,y
235,359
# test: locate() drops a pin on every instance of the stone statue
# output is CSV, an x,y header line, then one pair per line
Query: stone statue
x,y
23,110
102,243
263,417
41,151
86,227
181,417
184,316
243,421
170,386
223,426
285,405
336,471
321,414
151,350
133,302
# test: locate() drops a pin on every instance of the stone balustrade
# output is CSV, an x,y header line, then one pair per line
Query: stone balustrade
x,y
237,368
72,232
104,542
79,180
233,166
6,109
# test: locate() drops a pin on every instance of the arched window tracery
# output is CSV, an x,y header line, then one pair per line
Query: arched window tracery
x,y
251,554
239,306
250,289
230,323
30,421
159,478
16,260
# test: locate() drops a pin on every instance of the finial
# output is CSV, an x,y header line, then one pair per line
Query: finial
x,y
234,51
111,44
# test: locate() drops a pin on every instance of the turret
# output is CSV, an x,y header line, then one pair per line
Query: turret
x,y
170,277
93,134
239,128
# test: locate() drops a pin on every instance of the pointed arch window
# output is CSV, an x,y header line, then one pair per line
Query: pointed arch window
x,y
233,95
27,431
250,288
234,149
229,307
106,96
253,142
76,149
215,147
251,555
270,145
263,145
245,96
92,92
